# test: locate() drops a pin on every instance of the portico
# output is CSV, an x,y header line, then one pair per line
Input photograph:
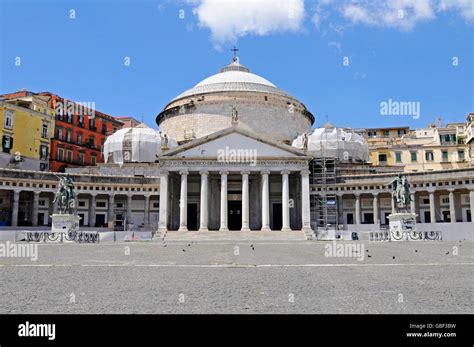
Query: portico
x,y
262,193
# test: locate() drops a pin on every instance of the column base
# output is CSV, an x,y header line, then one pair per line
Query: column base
x,y
185,228
203,229
265,229
286,229
223,229
245,229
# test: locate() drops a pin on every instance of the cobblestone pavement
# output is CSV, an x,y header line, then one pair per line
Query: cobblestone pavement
x,y
240,277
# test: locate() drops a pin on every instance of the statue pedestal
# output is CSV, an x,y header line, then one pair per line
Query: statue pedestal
x,y
64,223
403,226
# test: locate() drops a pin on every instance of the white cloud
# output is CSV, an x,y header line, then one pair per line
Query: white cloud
x,y
464,7
229,20
399,14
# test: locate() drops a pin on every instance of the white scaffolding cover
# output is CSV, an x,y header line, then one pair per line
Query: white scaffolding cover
x,y
330,141
145,145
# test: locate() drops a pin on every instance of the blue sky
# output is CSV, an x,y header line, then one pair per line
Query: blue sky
x,y
301,50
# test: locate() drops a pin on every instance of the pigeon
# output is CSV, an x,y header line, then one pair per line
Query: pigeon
x,y
189,245
369,256
184,250
447,253
367,250
393,257
416,251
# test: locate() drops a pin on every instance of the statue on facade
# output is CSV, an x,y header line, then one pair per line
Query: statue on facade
x,y
164,142
65,196
401,192
235,116
305,142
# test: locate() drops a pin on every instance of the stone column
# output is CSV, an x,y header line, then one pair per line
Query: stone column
x,y
452,208
265,201
204,215
34,217
245,201
163,215
340,209
110,214
471,204
412,203
224,226
357,209
183,202
92,204
146,211
376,209
394,209
432,207
16,204
129,209
305,201
285,201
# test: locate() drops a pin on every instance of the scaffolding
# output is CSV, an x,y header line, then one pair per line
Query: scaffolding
x,y
324,211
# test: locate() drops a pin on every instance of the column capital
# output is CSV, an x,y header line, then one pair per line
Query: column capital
x,y
451,190
375,194
184,172
245,172
224,172
305,172
285,172
204,172
357,194
265,172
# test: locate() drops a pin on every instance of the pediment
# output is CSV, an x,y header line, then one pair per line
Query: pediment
x,y
234,142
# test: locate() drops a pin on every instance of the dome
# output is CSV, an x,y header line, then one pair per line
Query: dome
x,y
233,77
330,141
207,107
139,144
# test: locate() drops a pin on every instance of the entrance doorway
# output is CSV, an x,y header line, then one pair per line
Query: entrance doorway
x,y
192,216
99,220
277,222
234,208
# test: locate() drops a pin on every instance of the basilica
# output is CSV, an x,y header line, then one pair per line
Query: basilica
x,y
237,153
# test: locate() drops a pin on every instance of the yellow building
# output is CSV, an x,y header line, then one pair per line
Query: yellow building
x,y
426,149
26,127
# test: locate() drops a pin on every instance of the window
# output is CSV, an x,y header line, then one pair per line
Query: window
x,y
42,202
7,143
100,204
444,155
402,132
92,124
81,203
44,130
382,158
60,153
93,159
80,157
460,155
156,205
413,157
60,133
429,156
8,122
79,138
68,135
70,116
43,152
80,120
398,157
43,166
386,133
104,128
69,155
91,141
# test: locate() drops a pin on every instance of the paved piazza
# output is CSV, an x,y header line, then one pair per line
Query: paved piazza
x,y
239,277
